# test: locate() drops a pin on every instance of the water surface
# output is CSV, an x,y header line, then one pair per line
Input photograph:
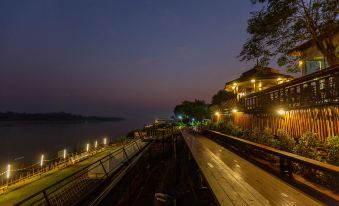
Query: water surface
x,y
25,143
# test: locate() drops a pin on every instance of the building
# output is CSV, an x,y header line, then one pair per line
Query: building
x,y
256,79
311,59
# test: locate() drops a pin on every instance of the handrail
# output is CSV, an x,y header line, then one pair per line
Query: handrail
x,y
302,79
85,169
297,158
316,89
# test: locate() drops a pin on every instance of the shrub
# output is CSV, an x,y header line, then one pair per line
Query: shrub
x,y
332,145
255,135
307,146
286,142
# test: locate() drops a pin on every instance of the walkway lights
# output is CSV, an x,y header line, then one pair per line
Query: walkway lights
x,y
87,147
42,160
8,171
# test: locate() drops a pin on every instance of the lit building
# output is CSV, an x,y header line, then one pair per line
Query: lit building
x,y
311,59
256,79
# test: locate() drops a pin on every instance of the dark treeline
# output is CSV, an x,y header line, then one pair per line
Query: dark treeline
x,y
56,116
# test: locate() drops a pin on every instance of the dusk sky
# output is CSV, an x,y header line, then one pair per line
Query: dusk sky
x,y
117,58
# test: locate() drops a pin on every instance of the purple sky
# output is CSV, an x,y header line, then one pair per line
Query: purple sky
x,y
117,58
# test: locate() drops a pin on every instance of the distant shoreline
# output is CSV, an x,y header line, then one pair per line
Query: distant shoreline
x,y
59,122
12,118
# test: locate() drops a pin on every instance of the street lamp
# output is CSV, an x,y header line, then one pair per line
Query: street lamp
x,y
105,141
65,153
87,147
96,144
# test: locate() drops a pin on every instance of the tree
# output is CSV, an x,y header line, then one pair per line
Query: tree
x,y
281,25
222,96
188,110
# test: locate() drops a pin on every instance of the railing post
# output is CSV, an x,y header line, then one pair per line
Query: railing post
x,y
46,198
102,165
125,153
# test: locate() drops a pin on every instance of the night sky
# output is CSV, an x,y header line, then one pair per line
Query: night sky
x,y
117,58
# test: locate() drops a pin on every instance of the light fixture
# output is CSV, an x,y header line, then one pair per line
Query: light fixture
x,y
281,112
300,63
105,141
234,84
234,110
253,80
96,144
8,171
217,113
65,153
42,160
87,147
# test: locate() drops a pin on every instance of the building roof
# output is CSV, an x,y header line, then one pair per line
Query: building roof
x,y
259,72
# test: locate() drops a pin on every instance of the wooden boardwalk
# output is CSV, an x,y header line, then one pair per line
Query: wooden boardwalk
x,y
235,181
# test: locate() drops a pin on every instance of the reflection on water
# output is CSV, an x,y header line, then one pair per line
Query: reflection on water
x,y
26,143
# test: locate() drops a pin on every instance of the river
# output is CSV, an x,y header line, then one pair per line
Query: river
x,y
26,143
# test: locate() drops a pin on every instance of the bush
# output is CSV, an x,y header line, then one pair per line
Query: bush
x,y
286,142
307,146
255,135
332,145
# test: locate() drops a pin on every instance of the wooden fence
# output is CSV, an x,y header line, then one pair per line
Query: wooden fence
x,y
324,121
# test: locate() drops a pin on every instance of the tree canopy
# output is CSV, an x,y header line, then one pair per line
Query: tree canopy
x,y
281,25
222,96
197,109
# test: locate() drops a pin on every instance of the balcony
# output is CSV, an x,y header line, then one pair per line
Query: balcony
x,y
316,89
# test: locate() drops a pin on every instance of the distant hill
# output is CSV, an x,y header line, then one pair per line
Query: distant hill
x,y
57,116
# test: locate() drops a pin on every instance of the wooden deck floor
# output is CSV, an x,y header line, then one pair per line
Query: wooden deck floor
x,y
235,181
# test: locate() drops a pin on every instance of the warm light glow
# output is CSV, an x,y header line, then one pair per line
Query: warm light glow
x,y
234,84
105,141
87,147
217,113
234,110
96,144
180,117
8,171
42,160
253,80
65,153
279,79
281,112
233,87
301,62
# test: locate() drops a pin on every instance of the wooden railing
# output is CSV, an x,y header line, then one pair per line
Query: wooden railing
x,y
286,158
316,89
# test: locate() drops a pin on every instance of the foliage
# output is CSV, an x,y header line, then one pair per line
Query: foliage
x,y
281,25
222,96
189,110
286,142
307,146
269,139
332,145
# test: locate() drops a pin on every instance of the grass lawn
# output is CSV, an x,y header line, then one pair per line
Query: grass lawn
x,y
20,192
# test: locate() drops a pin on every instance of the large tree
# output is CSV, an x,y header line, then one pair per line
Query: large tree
x,y
197,109
281,25
222,96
